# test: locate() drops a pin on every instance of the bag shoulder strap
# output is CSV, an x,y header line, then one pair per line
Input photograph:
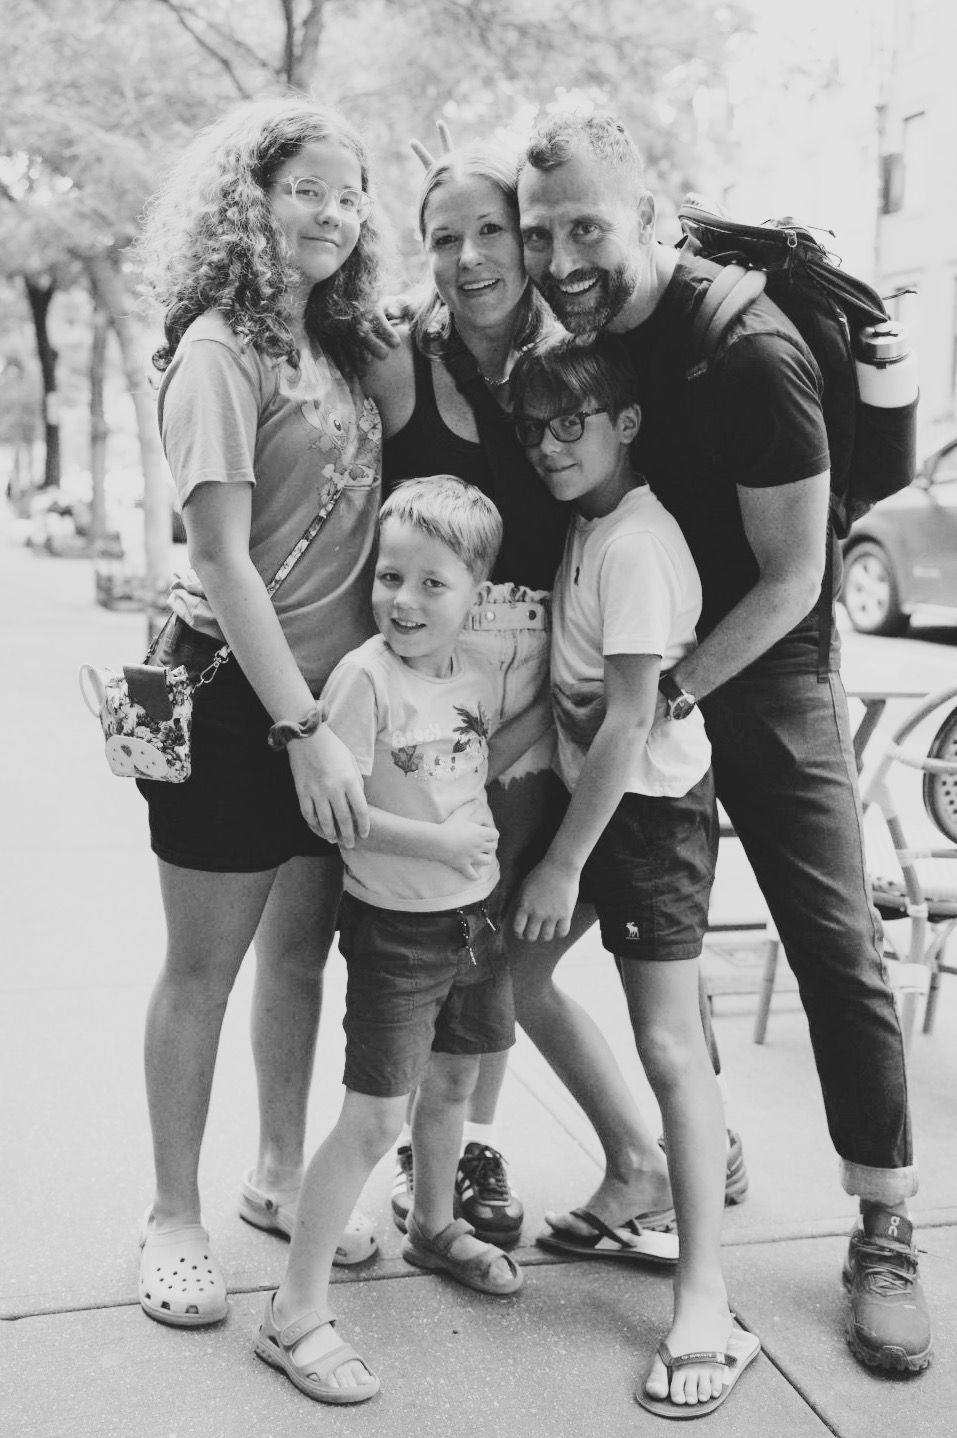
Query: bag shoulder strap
x,y
330,500
728,295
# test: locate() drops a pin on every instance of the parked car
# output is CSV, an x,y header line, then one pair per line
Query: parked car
x,y
900,560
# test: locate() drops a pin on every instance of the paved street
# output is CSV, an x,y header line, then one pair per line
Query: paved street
x,y
81,937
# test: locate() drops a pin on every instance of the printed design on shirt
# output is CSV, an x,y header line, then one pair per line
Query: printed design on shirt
x,y
348,429
470,726
579,712
430,755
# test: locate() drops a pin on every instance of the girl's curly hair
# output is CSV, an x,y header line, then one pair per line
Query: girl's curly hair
x,y
434,325
211,241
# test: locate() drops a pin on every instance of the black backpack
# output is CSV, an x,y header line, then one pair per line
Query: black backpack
x,y
873,451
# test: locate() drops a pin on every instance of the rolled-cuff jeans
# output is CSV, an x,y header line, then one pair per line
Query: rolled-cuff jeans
x,y
785,772
509,629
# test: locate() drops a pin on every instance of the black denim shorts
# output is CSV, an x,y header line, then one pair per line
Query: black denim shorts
x,y
238,811
417,983
650,874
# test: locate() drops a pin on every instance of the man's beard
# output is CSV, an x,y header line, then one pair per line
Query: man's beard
x,y
590,312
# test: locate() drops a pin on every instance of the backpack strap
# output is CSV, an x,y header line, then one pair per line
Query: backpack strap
x,y
727,296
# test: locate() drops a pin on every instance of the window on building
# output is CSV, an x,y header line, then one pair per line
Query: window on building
x,y
892,184
914,161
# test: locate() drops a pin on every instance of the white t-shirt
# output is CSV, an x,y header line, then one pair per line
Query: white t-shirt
x,y
626,585
422,747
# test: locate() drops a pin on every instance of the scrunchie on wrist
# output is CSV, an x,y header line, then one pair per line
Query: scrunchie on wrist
x,y
284,731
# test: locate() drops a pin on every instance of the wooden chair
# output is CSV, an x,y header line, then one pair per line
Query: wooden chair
x,y
911,879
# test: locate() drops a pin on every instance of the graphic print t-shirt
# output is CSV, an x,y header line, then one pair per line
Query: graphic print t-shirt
x,y
627,585
422,747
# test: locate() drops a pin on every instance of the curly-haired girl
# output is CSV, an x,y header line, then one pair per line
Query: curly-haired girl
x,y
262,250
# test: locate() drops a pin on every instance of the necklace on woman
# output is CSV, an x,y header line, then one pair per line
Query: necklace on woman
x,y
510,362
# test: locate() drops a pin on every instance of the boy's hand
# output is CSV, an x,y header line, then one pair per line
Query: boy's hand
x,y
468,844
547,902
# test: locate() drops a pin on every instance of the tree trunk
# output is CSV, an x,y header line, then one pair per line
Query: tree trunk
x,y
109,285
99,430
301,50
39,295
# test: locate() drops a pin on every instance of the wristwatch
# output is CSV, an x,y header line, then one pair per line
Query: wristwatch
x,y
680,702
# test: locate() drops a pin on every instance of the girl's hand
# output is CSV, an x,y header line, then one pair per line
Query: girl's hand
x,y
547,902
329,787
468,844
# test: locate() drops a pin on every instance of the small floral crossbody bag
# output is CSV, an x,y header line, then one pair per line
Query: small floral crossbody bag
x,y
146,710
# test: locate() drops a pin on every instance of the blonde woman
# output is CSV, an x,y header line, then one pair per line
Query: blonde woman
x,y
262,250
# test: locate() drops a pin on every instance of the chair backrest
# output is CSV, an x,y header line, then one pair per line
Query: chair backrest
x,y
940,790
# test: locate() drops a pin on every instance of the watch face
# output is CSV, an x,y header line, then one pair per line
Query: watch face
x,y
682,706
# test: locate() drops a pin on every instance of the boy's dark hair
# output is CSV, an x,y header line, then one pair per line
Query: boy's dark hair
x,y
562,375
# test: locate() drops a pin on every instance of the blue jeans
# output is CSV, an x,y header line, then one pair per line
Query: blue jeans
x,y
785,772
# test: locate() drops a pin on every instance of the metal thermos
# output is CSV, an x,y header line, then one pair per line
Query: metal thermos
x,y
886,366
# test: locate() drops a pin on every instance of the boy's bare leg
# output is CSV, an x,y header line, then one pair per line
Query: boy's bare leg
x,y
636,1173
488,1086
663,1003
437,1117
364,1132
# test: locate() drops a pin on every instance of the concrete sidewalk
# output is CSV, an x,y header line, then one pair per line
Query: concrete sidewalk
x,y
81,936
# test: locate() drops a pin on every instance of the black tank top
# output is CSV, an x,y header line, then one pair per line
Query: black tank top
x,y
534,523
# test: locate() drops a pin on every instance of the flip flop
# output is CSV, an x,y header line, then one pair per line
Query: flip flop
x,y
180,1282
630,1243
742,1349
266,1211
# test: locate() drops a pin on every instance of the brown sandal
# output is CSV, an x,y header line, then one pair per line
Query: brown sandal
x,y
437,1254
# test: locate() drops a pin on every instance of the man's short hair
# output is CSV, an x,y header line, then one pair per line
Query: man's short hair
x,y
446,508
561,376
558,135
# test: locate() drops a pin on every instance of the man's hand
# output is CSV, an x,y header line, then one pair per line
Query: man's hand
x,y
468,844
547,902
424,156
329,787
378,331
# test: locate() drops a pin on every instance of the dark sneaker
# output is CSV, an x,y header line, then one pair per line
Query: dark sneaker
x,y
888,1326
402,1186
483,1196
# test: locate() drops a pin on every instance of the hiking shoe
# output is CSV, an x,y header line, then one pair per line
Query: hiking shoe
x,y
888,1326
402,1186
483,1196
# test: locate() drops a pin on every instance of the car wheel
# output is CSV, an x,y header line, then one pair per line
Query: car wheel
x,y
870,594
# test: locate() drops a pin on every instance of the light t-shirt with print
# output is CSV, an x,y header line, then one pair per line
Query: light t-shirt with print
x,y
626,585
421,745
229,415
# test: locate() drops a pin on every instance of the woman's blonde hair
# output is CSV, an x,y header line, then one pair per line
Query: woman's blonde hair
x,y
211,241
434,325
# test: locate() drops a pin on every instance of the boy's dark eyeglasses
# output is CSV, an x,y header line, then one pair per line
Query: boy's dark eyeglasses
x,y
566,428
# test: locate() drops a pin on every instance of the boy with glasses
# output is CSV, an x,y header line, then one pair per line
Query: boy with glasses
x,y
636,829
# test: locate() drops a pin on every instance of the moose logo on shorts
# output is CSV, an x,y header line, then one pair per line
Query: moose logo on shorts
x,y
632,931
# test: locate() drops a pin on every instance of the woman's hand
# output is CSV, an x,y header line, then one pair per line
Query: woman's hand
x,y
329,787
547,902
468,844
